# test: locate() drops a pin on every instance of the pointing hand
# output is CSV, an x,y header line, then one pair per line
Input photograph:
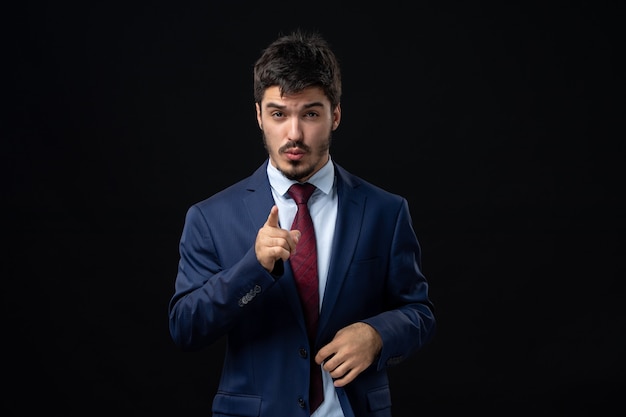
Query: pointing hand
x,y
273,242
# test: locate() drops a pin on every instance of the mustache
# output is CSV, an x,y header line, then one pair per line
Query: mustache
x,y
294,145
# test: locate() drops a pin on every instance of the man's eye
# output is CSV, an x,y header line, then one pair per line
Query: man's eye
x,y
310,114
277,114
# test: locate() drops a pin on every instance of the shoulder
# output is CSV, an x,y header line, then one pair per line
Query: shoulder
x,y
256,183
351,183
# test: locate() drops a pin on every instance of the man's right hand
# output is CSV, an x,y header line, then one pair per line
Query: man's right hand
x,y
273,242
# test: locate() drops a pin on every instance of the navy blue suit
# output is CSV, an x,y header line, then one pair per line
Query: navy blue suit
x,y
221,289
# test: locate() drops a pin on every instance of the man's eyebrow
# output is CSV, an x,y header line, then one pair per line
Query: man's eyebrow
x,y
274,105
306,106
314,104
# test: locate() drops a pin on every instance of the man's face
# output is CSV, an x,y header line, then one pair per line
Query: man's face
x,y
297,130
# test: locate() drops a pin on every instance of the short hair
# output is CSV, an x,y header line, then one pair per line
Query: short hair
x,y
297,61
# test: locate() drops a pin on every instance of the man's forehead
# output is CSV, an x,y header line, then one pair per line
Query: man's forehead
x,y
309,97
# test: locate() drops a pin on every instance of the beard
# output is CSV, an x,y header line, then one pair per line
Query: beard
x,y
298,170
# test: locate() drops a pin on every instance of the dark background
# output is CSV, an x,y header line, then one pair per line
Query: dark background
x,y
505,122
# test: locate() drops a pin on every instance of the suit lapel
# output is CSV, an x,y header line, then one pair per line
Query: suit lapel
x,y
258,198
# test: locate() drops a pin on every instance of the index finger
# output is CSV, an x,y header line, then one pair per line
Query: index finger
x,y
272,219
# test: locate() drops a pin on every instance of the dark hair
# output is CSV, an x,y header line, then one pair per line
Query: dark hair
x,y
297,61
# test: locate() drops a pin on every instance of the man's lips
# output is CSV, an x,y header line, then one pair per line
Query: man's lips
x,y
294,154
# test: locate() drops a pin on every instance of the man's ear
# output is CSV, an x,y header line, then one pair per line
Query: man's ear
x,y
257,106
336,116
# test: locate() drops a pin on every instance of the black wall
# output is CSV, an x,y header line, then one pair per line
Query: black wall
x,y
505,122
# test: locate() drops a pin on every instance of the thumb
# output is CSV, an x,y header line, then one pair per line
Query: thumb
x,y
295,234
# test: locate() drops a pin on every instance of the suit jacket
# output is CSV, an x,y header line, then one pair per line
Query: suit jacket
x,y
222,290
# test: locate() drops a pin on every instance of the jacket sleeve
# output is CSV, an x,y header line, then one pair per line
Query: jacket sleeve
x,y
209,297
409,322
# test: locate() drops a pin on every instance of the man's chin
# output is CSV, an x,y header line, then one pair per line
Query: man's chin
x,y
295,172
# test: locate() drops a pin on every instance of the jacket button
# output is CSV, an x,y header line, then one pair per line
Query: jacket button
x,y
301,403
303,353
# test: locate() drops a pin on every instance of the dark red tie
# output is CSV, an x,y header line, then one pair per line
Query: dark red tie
x,y
304,266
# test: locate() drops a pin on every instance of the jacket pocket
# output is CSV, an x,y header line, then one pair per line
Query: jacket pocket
x,y
379,399
236,405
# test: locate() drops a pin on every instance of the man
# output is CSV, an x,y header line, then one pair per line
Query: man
x,y
239,268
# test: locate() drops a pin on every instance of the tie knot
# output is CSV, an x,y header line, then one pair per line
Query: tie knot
x,y
301,192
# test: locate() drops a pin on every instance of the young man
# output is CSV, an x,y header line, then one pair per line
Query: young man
x,y
240,262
